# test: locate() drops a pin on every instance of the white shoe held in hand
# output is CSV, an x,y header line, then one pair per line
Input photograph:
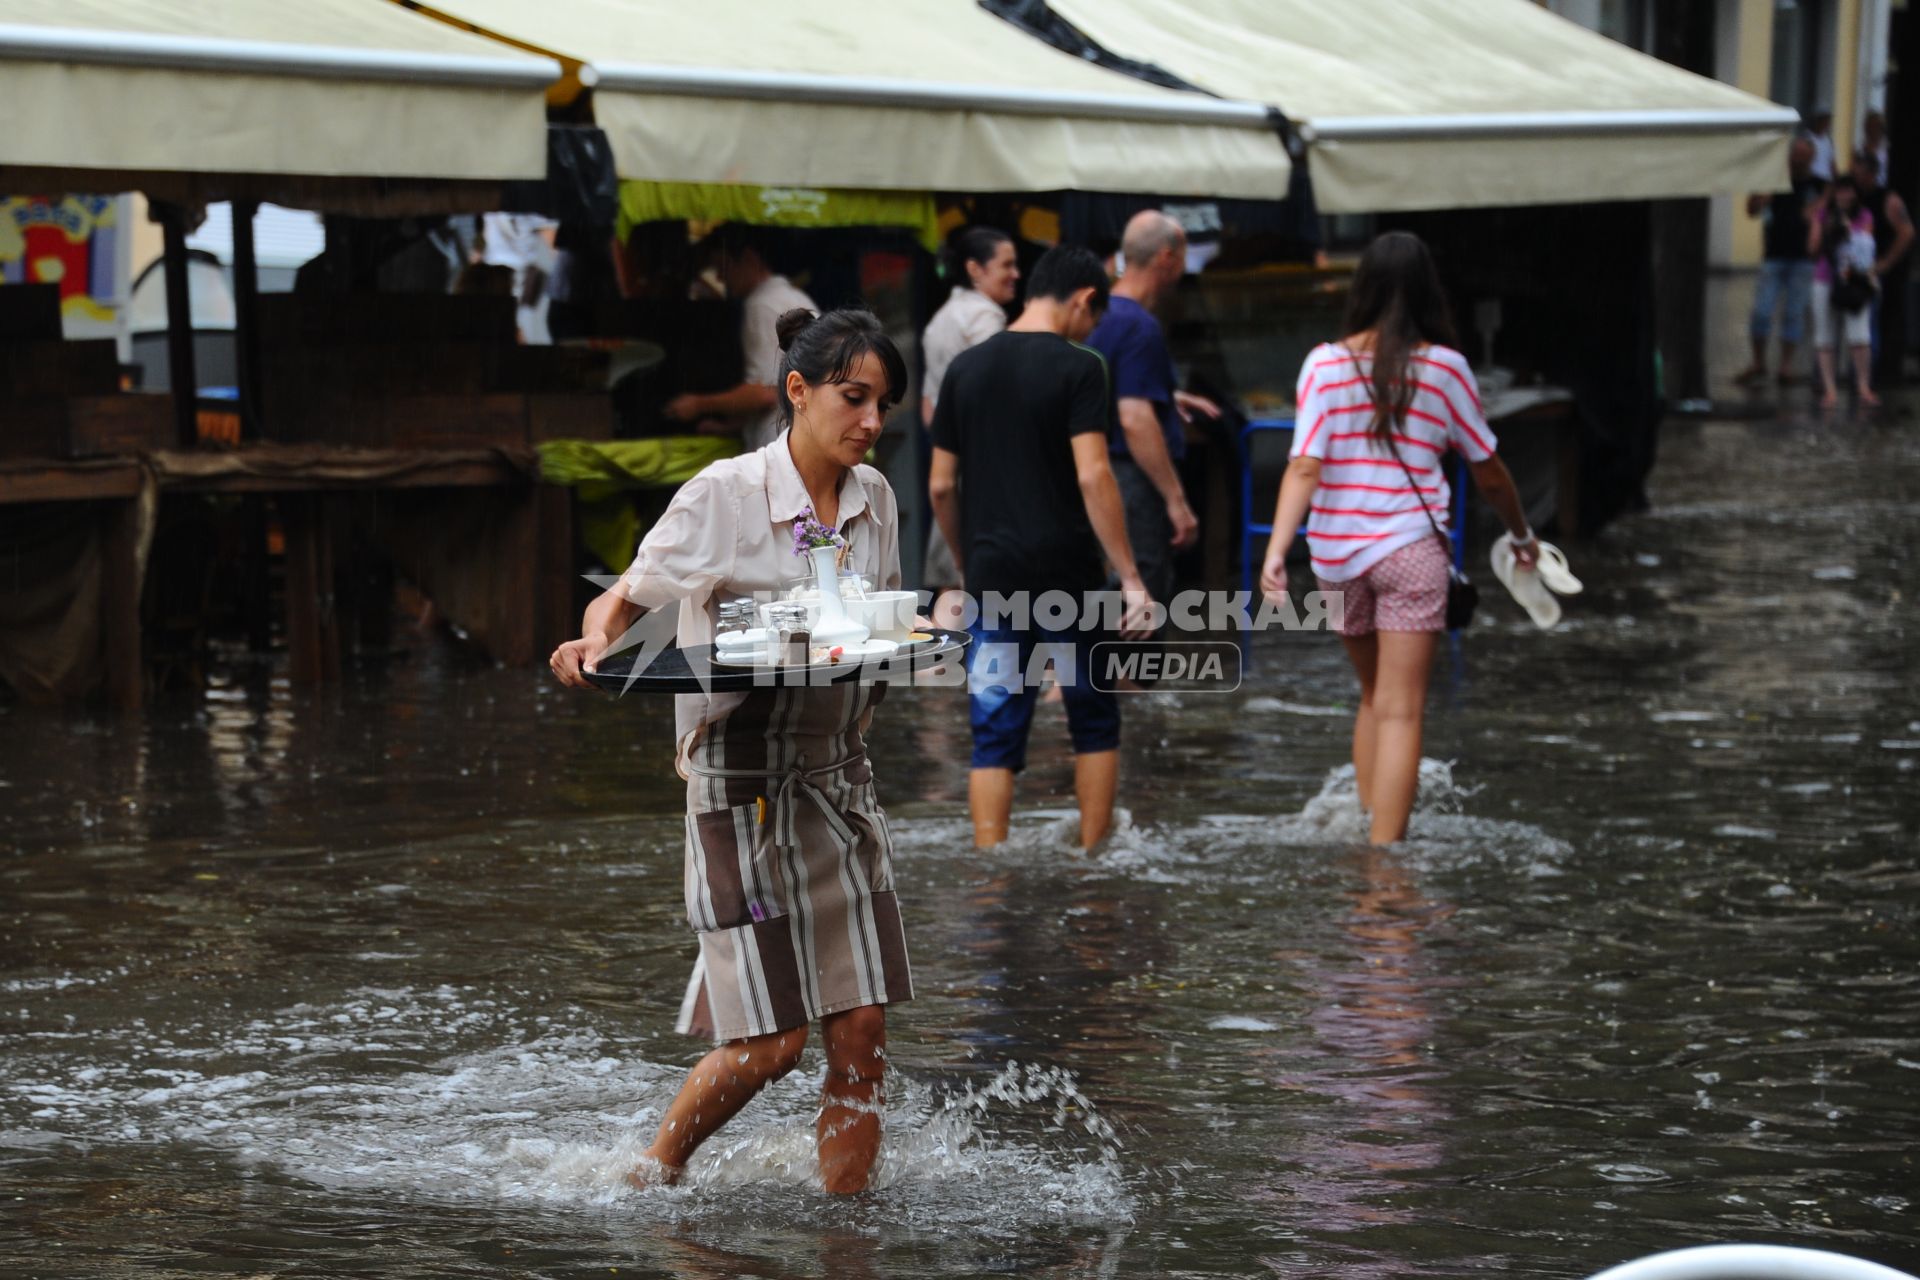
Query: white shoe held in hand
x,y
1525,585
1552,566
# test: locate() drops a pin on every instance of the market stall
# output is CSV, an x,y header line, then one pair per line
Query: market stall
x,y
348,106
839,123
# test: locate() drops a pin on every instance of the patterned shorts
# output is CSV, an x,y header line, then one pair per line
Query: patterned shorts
x,y
1407,591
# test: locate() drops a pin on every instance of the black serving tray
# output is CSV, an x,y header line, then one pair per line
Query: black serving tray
x,y
691,670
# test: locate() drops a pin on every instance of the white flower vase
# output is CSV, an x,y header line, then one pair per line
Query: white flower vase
x,y
834,626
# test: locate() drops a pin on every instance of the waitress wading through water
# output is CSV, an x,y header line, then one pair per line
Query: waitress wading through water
x,y
789,865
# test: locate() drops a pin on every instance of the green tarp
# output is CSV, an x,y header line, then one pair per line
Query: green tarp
x,y
603,472
777,207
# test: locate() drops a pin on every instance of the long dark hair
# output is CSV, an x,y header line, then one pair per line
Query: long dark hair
x,y
825,348
970,244
1396,293
1836,226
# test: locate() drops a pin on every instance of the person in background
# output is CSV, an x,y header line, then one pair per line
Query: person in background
x,y
1840,237
1873,142
1023,490
1820,134
1151,440
524,243
1892,243
982,266
1378,411
751,409
585,277
1786,273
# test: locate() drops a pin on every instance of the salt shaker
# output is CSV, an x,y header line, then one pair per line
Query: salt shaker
x,y
788,635
737,615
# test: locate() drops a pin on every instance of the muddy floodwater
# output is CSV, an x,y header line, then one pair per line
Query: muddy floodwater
x,y
380,980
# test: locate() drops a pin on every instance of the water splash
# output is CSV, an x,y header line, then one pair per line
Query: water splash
x,y
1443,832
560,1118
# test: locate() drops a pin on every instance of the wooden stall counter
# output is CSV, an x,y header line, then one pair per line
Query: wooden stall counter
x,y
476,525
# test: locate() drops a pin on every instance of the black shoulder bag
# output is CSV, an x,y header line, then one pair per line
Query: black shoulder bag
x,y
1462,596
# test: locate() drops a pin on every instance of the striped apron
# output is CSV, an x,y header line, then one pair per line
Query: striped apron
x,y
789,868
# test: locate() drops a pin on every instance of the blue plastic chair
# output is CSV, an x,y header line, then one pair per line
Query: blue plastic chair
x,y
1253,528
1252,525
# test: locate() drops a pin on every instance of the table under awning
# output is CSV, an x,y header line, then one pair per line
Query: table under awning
x,y
909,95
192,100
1420,104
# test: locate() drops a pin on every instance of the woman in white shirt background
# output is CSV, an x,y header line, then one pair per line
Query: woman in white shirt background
x,y
985,273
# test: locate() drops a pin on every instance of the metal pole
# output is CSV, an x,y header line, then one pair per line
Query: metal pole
x,y
246,307
35,42
930,95
1545,124
181,380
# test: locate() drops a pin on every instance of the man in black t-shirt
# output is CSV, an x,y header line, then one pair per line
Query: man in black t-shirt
x,y
1027,500
1786,274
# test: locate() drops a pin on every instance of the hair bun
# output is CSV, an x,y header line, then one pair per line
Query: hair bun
x,y
792,324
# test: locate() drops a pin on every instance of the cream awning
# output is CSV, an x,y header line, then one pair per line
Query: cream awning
x,y
917,95
319,88
1432,104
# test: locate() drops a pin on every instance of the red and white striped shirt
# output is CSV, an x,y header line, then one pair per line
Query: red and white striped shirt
x,y
1365,509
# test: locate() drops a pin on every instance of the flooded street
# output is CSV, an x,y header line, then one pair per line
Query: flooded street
x,y
380,979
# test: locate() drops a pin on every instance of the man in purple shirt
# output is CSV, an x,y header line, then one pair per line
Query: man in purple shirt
x,y
1150,440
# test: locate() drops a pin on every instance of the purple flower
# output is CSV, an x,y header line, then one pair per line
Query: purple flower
x,y
809,533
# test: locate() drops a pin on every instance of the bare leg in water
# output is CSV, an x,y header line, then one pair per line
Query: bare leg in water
x,y
1096,781
1396,708
1823,361
990,800
848,1130
727,1079
1364,652
723,1082
1863,375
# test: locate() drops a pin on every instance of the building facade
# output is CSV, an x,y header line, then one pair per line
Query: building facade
x,y
1810,55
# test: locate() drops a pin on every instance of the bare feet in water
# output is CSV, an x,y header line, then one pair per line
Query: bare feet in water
x,y
650,1173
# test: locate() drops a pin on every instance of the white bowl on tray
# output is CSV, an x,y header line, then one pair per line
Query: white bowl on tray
x,y
887,615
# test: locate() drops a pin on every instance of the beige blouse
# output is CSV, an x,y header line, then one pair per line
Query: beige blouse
x,y
967,319
729,532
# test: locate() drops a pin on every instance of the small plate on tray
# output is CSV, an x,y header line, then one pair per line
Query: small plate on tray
x,y
866,650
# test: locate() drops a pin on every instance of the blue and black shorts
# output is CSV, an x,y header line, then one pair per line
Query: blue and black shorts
x,y
1001,698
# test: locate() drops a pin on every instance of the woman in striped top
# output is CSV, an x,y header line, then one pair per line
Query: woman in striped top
x,y
1377,413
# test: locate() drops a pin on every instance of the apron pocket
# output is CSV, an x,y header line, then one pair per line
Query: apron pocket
x,y
874,846
732,876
